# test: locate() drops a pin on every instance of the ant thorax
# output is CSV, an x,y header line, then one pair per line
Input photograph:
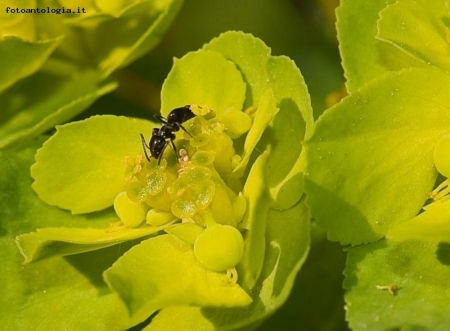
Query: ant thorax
x,y
166,132
165,135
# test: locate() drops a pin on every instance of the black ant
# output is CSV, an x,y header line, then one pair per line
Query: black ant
x,y
161,137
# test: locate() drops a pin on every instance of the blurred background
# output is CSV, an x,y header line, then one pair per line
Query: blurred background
x,y
303,30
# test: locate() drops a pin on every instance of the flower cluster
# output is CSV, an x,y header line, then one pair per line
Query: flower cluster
x,y
191,187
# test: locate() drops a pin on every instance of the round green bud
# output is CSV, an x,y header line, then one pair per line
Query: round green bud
x,y
154,164
199,140
191,192
219,247
155,181
158,218
202,193
136,192
197,174
236,122
183,208
130,213
179,187
442,155
194,127
203,158
163,200
160,201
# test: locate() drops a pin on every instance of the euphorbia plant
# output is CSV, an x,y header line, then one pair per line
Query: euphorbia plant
x,y
55,65
372,162
211,235
220,224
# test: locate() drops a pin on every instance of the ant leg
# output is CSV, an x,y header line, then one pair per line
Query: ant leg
x,y
174,147
145,147
184,129
162,152
160,118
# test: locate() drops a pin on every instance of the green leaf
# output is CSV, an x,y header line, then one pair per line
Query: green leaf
x,y
81,167
433,224
266,112
370,159
48,242
118,41
363,56
106,36
60,292
313,305
293,122
262,71
416,30
398,286
42,101
288,238
191,82
144,278
255,218
23,58
250,57
22,211
57,292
